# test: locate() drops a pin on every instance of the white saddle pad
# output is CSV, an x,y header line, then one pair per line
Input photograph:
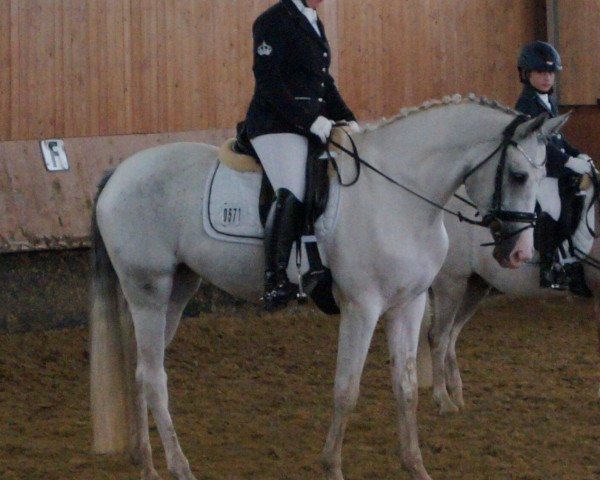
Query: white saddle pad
x,y
230,209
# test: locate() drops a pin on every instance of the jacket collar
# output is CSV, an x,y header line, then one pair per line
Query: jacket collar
x,y
303,22
532,92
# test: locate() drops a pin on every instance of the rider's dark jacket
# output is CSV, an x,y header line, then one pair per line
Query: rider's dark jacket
x,y
558,150
291,69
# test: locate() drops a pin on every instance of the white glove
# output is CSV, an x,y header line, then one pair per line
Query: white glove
x,y
579,165
321,127
353,127
584,156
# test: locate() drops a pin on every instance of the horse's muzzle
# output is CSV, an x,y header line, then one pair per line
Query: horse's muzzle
x,y
513,250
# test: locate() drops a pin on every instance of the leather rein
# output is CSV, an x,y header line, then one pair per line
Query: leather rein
x,y
496,216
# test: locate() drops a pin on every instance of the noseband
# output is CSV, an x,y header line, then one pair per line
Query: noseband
x,y
496,217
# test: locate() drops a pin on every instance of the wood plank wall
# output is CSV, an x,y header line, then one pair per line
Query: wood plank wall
x,y
578,40
78,68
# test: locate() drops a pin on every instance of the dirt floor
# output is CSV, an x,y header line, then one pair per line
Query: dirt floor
x,y
251,398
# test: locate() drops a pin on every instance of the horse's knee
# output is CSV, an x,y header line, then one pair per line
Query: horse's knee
x,y
152,382
346,396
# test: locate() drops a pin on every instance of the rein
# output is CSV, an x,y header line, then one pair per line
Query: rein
x,y
493,219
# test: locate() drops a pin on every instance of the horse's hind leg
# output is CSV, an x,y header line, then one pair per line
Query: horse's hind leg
x,y
448,294
477,290
148,303
185,285
402,328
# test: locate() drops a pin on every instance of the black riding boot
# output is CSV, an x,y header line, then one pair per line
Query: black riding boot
x,y
576,280
547,273
281,230
546,232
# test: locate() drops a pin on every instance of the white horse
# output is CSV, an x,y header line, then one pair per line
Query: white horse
x,y
151,251
465,279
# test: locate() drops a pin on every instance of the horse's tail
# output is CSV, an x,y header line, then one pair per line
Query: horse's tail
x,y
111,359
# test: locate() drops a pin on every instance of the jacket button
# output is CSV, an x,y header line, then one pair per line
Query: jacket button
x,y
320,100
324,69
559,136
325,54
562,150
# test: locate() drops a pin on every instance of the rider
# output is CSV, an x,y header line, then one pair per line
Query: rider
x,y
538,63
295,100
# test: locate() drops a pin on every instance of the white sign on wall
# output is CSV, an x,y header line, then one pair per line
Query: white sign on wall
x,y
55,156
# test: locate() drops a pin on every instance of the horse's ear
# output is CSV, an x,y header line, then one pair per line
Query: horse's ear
x,y
530,126
553,125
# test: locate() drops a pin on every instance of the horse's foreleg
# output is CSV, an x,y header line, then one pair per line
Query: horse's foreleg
x,y
148,306
448,293
477,290
355,334
403,325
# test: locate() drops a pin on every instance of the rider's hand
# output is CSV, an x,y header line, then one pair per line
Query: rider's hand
x,y
321,127
353,127
578,165
586,157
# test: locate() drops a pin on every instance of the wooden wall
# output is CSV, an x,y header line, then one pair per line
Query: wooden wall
x,y
577,37
115,76
78,68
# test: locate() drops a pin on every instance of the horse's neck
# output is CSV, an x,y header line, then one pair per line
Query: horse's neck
x,y
428,153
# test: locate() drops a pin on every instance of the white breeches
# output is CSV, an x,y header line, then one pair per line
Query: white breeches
x,y
548,197
283,156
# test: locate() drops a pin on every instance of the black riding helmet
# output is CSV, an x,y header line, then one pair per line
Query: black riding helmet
x,y
539,56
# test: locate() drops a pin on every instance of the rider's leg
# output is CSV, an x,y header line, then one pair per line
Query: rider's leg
x,y
283,157
546,233
281,230
573,219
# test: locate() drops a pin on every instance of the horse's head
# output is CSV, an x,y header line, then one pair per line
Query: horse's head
x,y
504,187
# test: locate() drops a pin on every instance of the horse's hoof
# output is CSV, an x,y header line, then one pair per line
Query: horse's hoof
x,y
458,401
448,408
182,473
446,404
150,474
332,472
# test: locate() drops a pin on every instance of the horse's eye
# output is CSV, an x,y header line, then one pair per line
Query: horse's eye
x,y
520,178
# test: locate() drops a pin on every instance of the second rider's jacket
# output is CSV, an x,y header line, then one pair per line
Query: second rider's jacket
x,y
291,70
558,150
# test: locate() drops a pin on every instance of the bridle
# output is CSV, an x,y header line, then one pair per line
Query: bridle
x,y
495,218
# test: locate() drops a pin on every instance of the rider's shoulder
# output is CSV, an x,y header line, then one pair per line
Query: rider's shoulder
x,y
273,15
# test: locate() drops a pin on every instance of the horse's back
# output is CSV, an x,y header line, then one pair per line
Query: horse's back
x,y
172,158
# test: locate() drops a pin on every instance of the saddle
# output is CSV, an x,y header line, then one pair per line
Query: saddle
x,y
238,154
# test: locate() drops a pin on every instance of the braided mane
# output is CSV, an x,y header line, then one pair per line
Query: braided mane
x,y
447,100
